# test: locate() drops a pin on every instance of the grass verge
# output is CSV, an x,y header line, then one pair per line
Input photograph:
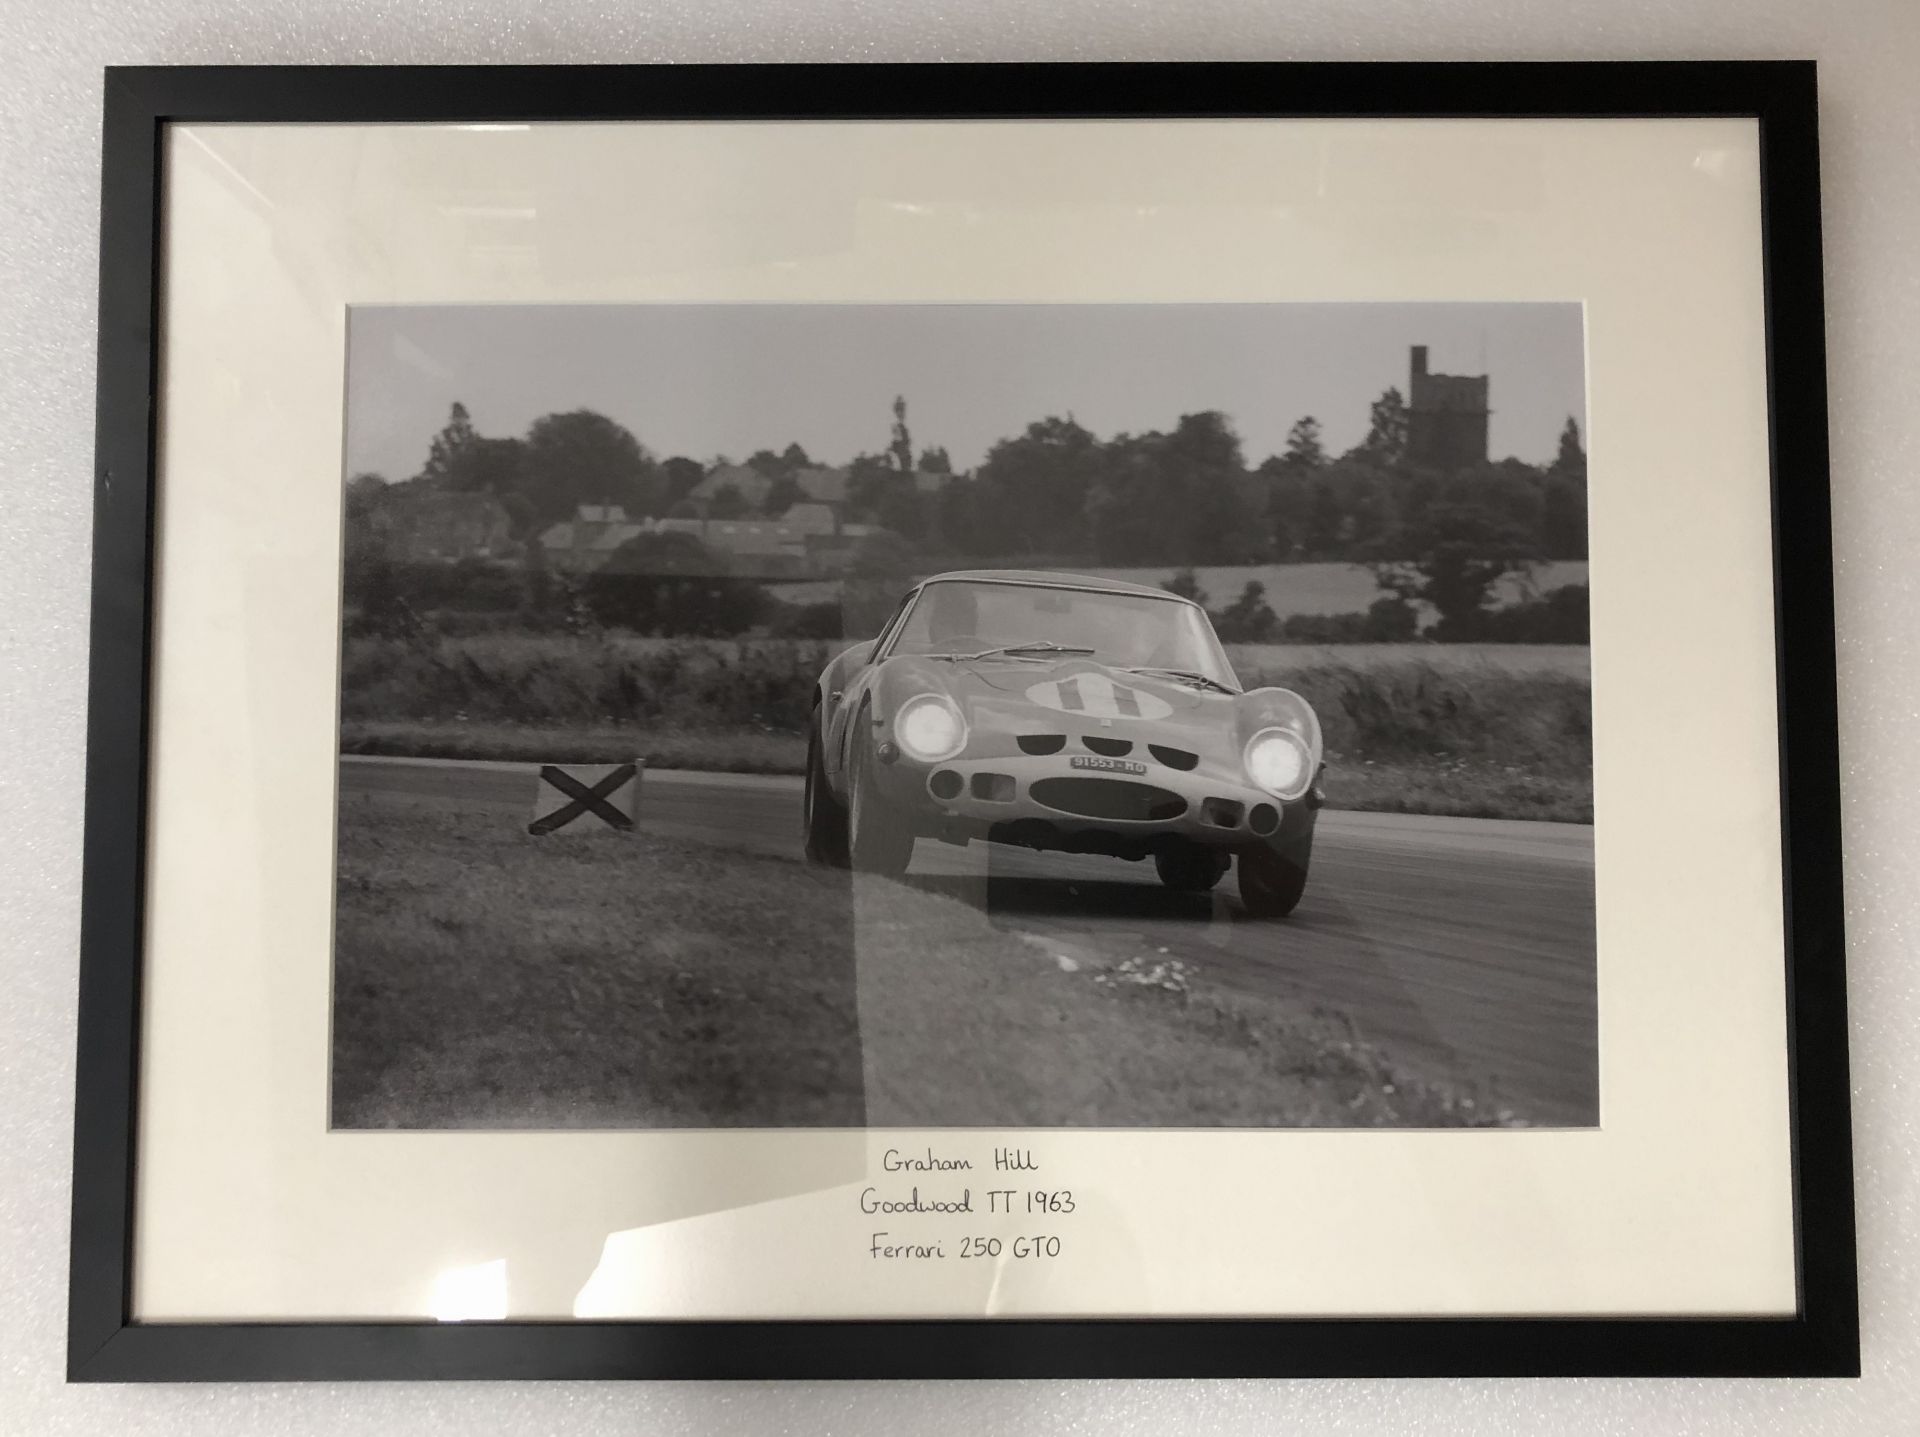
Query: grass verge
x,y
1461,788
709,750
487,979
1407,733
1458,788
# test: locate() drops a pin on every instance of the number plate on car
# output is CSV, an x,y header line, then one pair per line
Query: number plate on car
x,y
1107,765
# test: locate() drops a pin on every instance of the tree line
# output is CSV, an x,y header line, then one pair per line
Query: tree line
x,y
1056,495
1185,496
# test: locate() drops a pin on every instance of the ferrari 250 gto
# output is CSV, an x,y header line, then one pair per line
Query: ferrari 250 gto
x,y
1063,713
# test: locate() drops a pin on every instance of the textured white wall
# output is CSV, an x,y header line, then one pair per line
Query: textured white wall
x,y
50,59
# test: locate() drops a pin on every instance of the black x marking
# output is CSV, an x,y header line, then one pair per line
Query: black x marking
x,y
585,800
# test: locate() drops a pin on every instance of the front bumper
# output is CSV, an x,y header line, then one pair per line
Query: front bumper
x,y
1048,802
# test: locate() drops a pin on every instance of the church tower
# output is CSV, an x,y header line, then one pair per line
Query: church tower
x,y
1446,417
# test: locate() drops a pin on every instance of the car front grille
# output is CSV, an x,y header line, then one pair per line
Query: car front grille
x,y
1109,798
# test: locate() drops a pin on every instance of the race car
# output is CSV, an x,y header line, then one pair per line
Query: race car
x,y
1063,713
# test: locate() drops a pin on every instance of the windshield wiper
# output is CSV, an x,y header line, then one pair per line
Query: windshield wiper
x,y
1038,646
1190,676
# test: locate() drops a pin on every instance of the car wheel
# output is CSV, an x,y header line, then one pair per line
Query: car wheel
x,y
1272,879
823,814
1190,869
878,839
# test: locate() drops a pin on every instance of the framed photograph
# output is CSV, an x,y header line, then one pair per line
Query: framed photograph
x,y
962,721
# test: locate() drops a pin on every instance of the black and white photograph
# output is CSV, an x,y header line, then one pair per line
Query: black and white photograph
x,y
920,716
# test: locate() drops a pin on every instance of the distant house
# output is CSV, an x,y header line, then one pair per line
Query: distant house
x,y
752,537
811,518
583,543
769,549
830,555
750,484
823,486
423,525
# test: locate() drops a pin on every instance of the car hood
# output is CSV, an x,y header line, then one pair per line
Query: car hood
x,y
1077,685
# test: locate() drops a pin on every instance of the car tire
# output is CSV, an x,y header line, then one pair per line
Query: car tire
x,y
879,840
1191,869
823,815
1272,880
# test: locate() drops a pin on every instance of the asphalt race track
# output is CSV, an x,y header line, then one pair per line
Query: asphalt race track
x,y
1464,946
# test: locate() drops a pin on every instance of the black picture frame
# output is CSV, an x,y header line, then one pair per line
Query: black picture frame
x,y
106,1344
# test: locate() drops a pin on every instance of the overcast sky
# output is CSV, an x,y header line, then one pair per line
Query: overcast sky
x,y
702,380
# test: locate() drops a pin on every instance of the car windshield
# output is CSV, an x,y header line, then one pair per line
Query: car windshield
x,y
959,617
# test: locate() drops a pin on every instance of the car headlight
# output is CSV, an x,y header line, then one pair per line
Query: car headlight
x,y
930,728
1278,761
